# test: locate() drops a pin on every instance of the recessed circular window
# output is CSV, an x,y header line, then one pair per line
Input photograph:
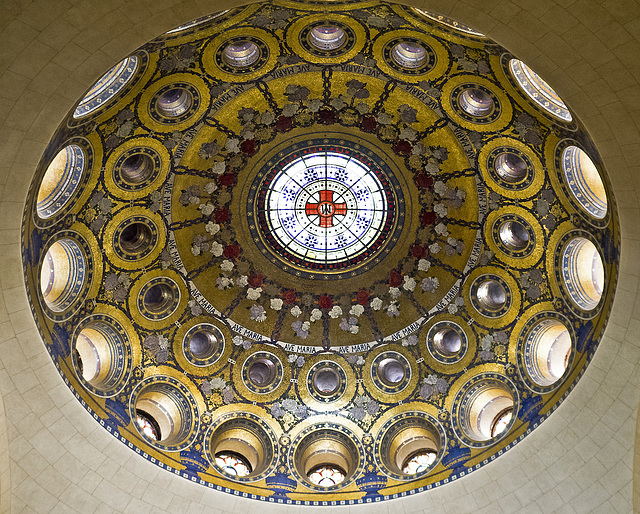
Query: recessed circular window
x,y
501,422
242,446
203,343
137,168
538,90
409,54
326,380
492,295
409,445
583,273
584,181
174,102
158,298
419,462
326,476
510,167
547,351
325,458
135,238
514,235
107,87
168,406
448,341
327,37
60,181
262,372
62,274
476,102
391,371
233,463
147,425
485,408
101,356
241,54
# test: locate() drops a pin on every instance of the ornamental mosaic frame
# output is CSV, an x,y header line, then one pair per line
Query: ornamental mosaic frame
x,y
209,253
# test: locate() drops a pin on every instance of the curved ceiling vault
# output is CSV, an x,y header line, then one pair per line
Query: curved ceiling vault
x,y
287,457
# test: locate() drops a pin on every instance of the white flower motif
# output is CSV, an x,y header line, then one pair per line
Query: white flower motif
x,y
335,312
210,187
163,342
376,304
306,325
452,308
459,301
292,358
360,360
224,282
440,187
206,208
226,266
216,249
356,310
392,309
441,229
217,383
409,283
432,168
452,241
195,249
238,340
434,248
316,314
212,228
232,145
354,329
424,265
430,284
254,293
276,304
219,167
257,313
242,281
440,209
394,292
296,311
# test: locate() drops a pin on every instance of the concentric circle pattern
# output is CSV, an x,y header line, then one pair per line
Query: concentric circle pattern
x,y
318,253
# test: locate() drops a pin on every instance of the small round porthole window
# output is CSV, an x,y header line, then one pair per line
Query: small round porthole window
x,y
584,181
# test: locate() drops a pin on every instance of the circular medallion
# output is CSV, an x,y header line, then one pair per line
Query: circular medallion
x,y
326,207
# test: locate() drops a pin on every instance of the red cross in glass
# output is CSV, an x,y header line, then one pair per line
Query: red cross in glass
x,y
326,208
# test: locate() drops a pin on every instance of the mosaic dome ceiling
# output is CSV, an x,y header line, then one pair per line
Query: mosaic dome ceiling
x,y
311,252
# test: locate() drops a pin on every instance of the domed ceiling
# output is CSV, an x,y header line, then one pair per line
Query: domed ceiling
x,y
312,252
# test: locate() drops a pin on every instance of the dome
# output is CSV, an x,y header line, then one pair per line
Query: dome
x,y
292,270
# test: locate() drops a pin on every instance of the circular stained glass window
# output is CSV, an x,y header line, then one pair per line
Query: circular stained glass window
x,y
326,209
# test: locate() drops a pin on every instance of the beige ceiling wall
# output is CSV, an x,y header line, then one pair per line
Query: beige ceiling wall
x,y
55,458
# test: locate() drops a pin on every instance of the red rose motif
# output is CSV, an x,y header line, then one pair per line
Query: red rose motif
x,y
418,252
249,146
255,280
324,302
395,279
423,181
428,218
222,215
362,297
327,116
227,179
284,124
369,123
402,147
232,251
289,297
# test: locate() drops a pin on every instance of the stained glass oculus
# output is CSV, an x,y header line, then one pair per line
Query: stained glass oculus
x,y
326,208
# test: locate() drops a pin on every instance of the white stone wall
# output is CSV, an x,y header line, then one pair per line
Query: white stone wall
x,y
55,458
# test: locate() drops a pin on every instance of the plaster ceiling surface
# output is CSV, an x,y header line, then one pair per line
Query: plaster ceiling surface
x,y
613,422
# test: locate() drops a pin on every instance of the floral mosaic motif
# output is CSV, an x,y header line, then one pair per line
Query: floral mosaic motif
x,y
158,347
493,346
217,391
218,241
117,286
